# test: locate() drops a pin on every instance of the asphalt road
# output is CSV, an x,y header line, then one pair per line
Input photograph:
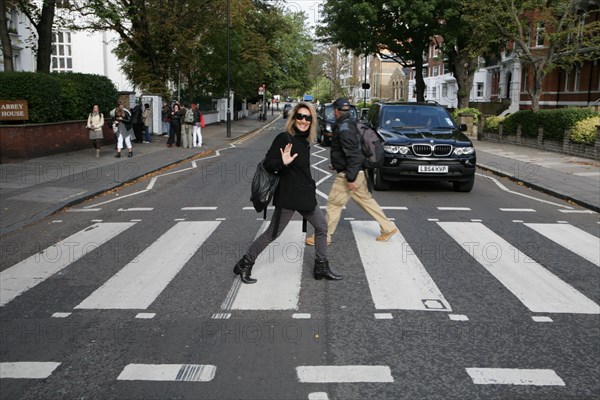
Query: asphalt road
x,y
490,294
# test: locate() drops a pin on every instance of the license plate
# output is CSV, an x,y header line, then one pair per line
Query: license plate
x,y
433,169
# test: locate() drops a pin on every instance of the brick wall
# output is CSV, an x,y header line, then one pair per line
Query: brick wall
x,y
22,142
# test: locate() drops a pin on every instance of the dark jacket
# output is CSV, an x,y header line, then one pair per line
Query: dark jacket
x,y
297,188
346,155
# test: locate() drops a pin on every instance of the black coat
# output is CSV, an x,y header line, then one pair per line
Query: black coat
x,y
346,154
297,188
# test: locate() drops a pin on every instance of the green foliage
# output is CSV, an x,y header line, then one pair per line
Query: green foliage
x,y
58,97
553,121
467,110
585,131
492,124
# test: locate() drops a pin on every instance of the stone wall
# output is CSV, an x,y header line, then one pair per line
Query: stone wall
x,y
564,146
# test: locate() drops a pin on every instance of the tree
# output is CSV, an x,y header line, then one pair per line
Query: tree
x,y
400,30
43,20
5,37
465,39
545,34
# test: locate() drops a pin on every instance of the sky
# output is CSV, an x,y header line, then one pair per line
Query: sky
x,y
309,7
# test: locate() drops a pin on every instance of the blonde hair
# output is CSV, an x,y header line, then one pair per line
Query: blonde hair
x,y
289,126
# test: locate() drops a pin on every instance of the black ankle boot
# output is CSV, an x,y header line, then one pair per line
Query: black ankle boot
x,y
322,270
243,268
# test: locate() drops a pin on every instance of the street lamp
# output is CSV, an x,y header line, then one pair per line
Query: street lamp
x,y
228,75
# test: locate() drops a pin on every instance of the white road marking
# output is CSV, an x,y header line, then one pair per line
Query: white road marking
x,y
571,238
517,209
383,316
145,315
318,396
344,373
39,267
514,376
168,372
83,209
536,287
140,282
279,272
136,209
454,208
27,369
61,314
537,318
301,316
458,317
397,279
198,208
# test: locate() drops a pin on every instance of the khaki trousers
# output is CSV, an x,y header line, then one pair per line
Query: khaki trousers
x,y
339,196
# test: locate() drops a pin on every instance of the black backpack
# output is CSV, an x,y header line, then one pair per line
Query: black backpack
x,y
371,146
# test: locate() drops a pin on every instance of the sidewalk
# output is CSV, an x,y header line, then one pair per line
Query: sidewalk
x,y
34,189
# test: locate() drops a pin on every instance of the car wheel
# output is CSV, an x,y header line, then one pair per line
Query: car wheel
x,y
464,186
378,182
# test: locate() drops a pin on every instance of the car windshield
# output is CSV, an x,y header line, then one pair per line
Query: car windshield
x,y
415,117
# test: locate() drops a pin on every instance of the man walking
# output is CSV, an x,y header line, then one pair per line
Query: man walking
x,y
350,182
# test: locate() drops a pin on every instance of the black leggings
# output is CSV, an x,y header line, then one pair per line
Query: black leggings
x,y
316,218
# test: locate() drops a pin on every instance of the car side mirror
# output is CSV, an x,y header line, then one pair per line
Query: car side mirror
x,y
463,127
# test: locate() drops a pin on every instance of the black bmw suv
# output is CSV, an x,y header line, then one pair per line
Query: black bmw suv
x,y
422,142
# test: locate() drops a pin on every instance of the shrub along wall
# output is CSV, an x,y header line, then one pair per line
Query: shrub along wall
x,y
58,97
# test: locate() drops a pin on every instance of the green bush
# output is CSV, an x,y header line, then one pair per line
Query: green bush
x,y
468,110
58,97
554,121
585,131
492,123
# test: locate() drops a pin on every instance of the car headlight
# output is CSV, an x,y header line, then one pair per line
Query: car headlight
x,y
460,151
395,149
328,128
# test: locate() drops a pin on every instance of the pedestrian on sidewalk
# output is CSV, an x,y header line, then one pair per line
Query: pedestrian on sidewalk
x,y
137,122
147,118
175,128
124,131
166,119
289,157
95,123
350,182
187,126
197,129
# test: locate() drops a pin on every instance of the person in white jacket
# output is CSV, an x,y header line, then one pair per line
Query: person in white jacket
x,y
95,122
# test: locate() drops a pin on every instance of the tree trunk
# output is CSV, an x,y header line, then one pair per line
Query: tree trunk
x,y
536,90
464,73
5,38
419,81
44,31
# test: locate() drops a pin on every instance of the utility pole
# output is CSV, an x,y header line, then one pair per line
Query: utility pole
x,y
228,76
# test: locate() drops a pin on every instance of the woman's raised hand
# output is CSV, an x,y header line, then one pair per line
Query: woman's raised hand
x,y
286,154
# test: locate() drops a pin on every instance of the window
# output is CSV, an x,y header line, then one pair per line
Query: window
x,y
539,34
577,79
436,70
434,93
479,89
444,90
62,60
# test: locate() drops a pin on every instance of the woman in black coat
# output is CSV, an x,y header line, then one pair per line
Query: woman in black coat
x,y
175,128
289,157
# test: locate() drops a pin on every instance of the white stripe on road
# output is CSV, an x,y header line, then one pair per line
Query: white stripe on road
x,y
397,279
454,208
198,208
514,376
279,272
136,209
344,373
571,238
517,209
27,369
140,282
39,267
536,287
168,372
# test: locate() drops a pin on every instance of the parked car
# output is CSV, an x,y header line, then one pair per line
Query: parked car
x,y
422,143
326,120
286,110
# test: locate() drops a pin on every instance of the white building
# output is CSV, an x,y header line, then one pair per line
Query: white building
x,y
85,52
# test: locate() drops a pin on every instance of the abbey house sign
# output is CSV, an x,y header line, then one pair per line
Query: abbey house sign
x,y
14,110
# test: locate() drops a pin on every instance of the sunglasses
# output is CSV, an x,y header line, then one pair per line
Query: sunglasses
x,y
299,117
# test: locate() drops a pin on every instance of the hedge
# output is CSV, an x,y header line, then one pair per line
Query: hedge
x,y
58,97
554,121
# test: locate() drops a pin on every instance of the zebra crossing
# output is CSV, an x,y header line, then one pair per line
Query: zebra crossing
x,y
397,278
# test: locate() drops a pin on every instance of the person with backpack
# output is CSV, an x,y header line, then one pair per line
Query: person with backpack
x,y
187,126
289,158
348,160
